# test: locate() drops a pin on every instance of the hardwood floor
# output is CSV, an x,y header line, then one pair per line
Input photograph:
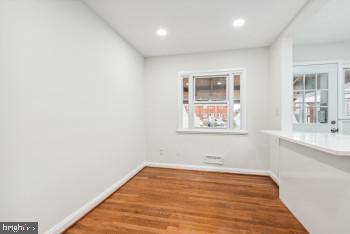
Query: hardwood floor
x,y
178,201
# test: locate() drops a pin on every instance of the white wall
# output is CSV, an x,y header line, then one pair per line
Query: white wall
x,y
71,109
281,80
247,151
322,52
280,102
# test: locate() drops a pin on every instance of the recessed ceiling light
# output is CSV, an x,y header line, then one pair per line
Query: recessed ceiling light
x,y
238,23
162,32
219,83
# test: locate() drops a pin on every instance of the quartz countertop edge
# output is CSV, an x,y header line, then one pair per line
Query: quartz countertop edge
x,y
335,144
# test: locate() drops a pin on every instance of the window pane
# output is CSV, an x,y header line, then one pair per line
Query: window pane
x,y
347,92
347,76
185,106
310,113
237,101
210,89
322,98
310,81
185,85
210,116
298,113
347,103
298,97
322,81
310,97
322,115
298,82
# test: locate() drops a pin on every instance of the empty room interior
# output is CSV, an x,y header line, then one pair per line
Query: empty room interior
x,y
175,116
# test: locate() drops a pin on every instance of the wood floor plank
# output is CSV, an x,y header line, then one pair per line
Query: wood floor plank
x,y
175,201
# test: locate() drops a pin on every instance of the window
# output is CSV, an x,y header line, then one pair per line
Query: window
x,y
310,99
346,92
211,101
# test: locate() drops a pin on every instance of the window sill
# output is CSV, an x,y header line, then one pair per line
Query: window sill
x,y
212,131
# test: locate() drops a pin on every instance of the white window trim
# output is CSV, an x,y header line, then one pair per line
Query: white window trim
x,y
212,131
342,66
226,72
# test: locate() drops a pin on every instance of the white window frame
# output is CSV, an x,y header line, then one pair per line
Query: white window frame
x,y
343,65
229,74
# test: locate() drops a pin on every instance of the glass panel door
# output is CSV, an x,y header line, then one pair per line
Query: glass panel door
x,y
315,97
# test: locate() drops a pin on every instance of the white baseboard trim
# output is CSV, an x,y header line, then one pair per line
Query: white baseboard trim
x,y
75,216
275,178
209,168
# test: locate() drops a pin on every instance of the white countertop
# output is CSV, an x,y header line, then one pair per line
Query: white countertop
x,y
336,144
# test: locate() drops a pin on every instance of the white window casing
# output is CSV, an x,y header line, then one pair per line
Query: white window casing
x,y
229,101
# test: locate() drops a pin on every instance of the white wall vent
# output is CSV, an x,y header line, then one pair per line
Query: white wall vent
x,y
214,159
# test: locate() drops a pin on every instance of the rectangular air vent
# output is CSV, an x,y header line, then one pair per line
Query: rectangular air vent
x,y
214,159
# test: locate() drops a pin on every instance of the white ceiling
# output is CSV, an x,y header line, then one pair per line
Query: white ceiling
x,y
330,24
196,25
